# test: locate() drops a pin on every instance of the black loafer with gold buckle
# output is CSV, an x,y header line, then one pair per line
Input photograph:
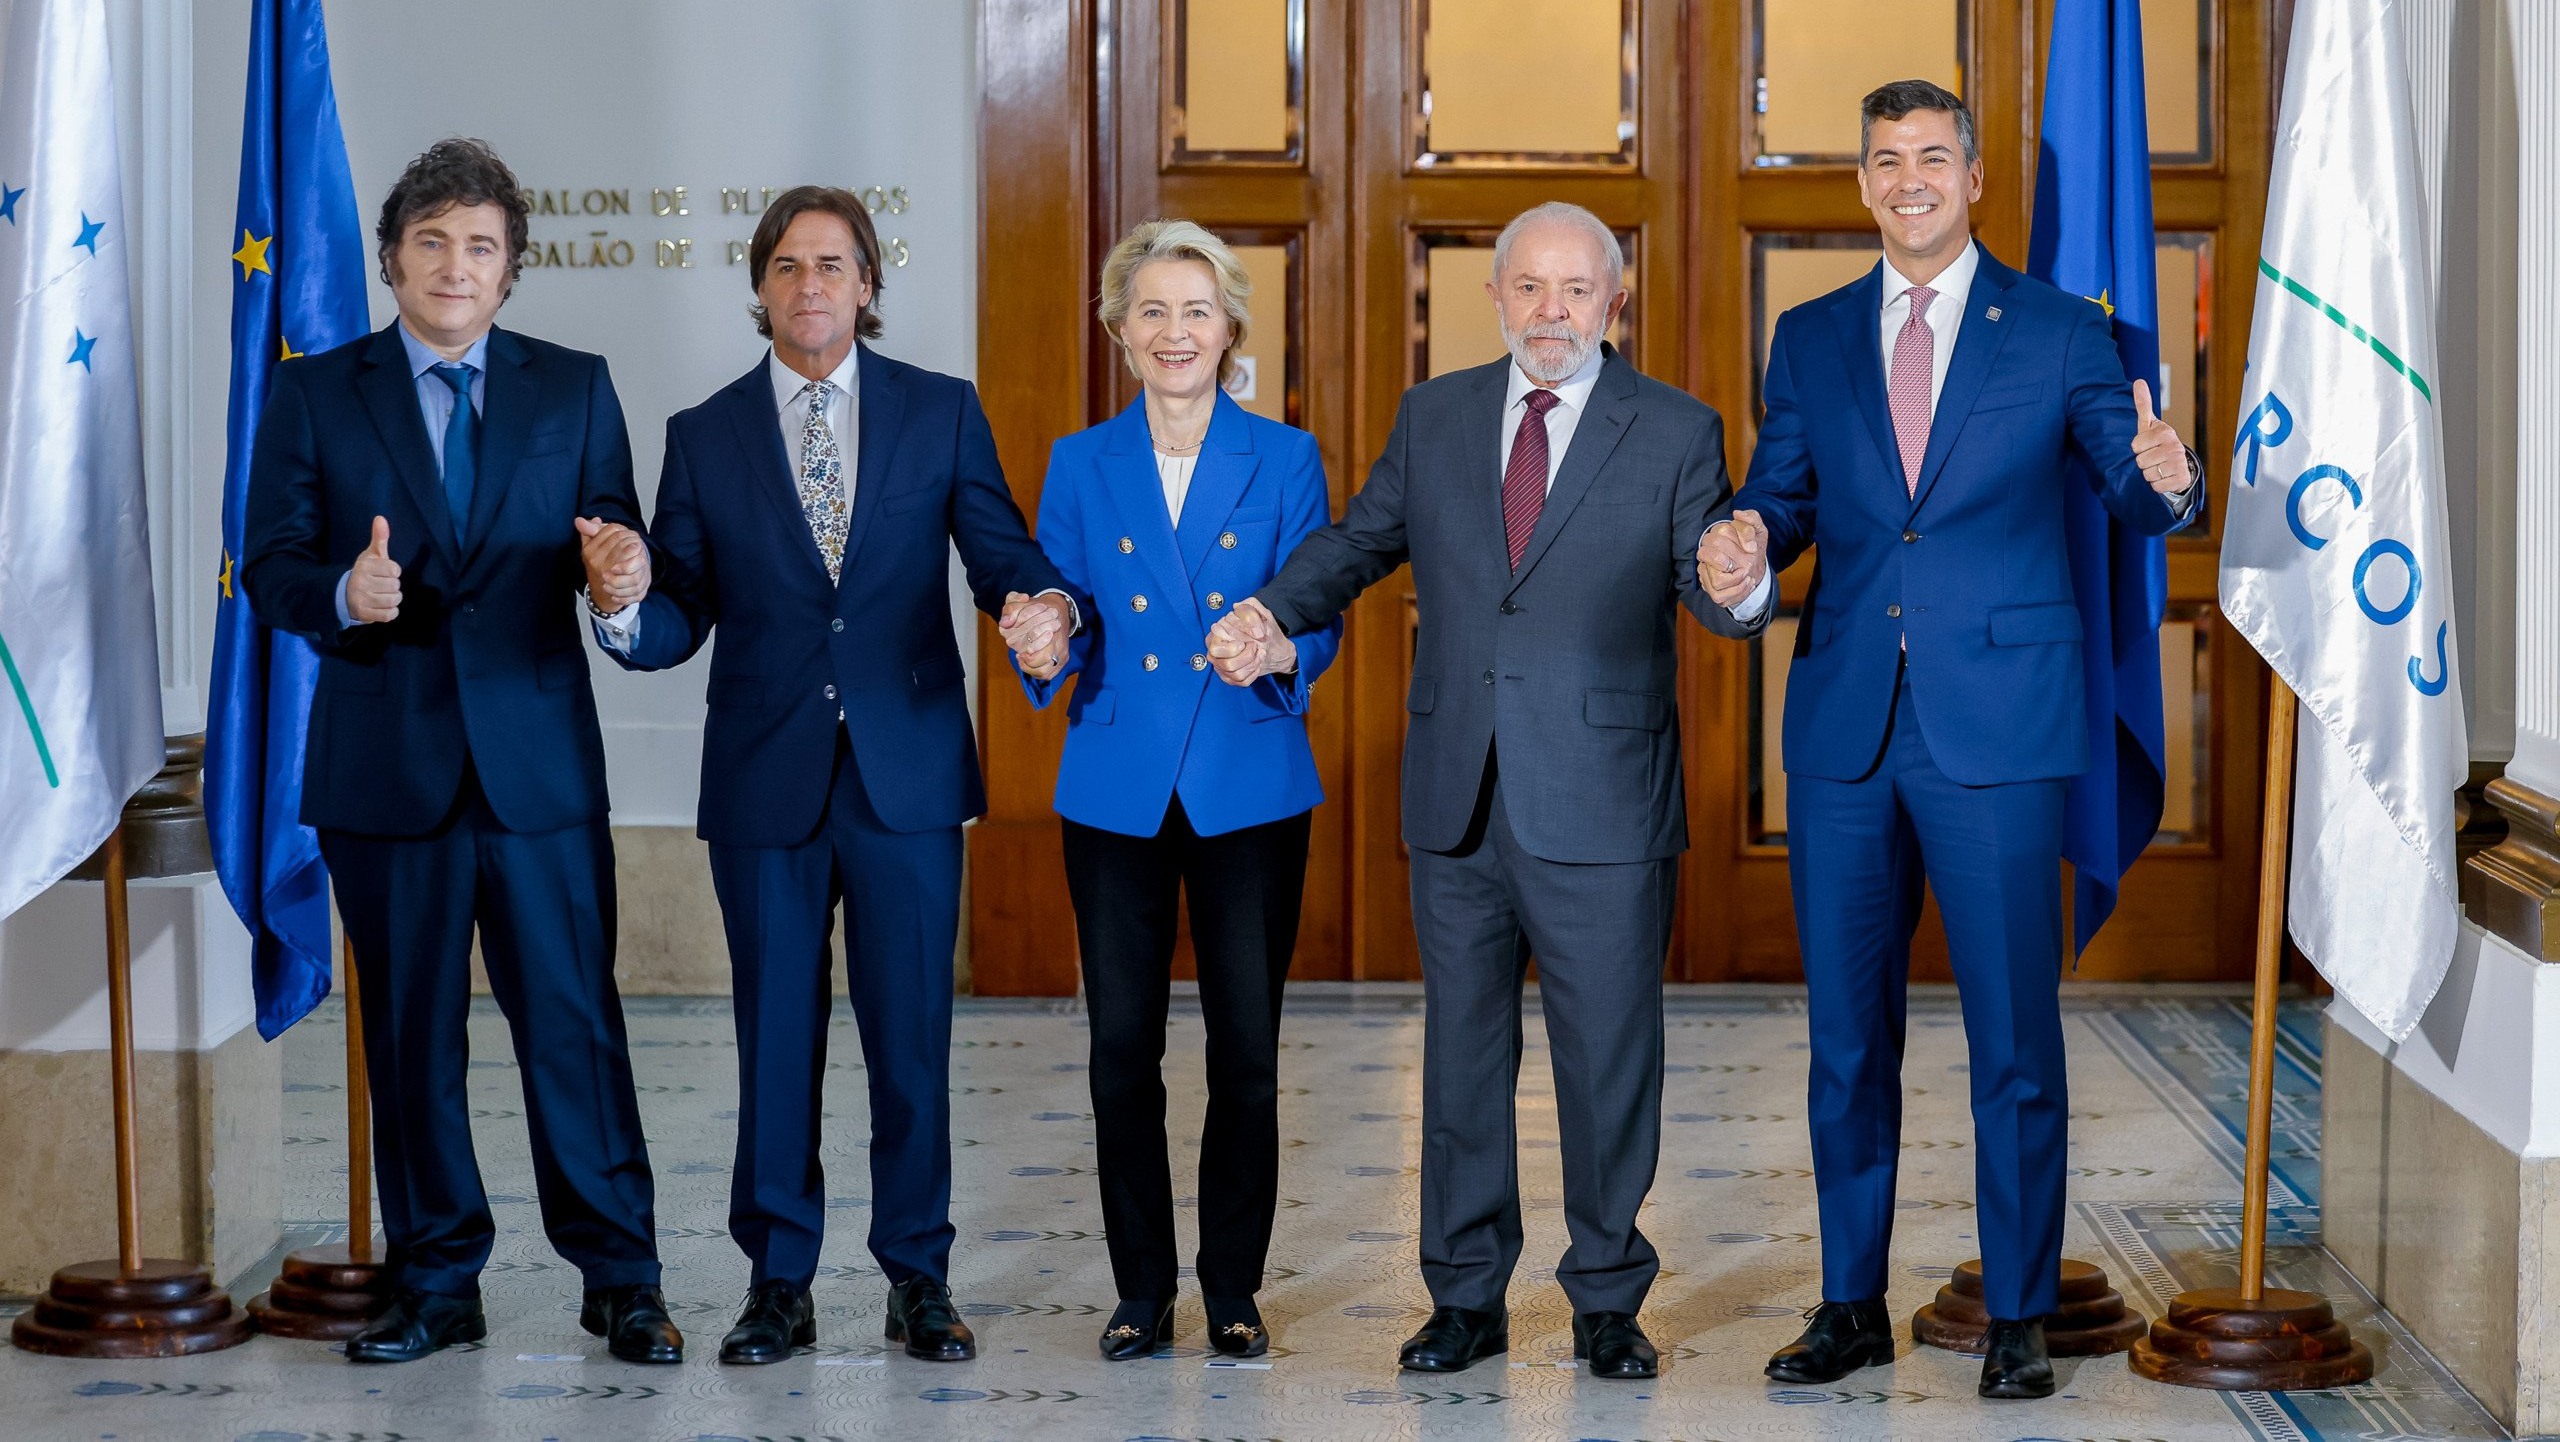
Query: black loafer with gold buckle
x,y
1235,1326
1137,1330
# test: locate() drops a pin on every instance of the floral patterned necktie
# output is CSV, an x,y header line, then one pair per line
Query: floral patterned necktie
x,y
822,479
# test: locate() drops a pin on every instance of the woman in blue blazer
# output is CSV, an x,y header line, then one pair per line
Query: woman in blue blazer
x,y
1174,783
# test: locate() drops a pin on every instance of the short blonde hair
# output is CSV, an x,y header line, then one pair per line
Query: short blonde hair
x,y
1155,240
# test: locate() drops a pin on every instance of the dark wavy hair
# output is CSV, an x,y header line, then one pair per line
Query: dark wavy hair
x,y
1899,98
802,200
454,172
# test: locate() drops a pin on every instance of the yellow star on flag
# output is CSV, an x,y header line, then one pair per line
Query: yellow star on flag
x,y
2101,302
225,577
286,346
252,254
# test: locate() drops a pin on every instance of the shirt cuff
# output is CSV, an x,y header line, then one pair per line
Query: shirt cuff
x,y
2183,504
1075,615
346,618
617,631
1752,607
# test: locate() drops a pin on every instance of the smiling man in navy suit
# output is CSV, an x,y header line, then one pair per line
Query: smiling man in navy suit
x,y
416,501
1922,425
808,511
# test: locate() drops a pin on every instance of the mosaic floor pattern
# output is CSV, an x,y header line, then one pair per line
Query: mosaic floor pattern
x,y
2157,1081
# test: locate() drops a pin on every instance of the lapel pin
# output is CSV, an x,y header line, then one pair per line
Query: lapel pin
x,y
1992,314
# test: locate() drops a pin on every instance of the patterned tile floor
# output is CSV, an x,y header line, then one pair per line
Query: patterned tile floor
x,y
2157,1082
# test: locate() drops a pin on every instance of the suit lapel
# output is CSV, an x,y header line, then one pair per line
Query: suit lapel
x,y
884,413
1218,481
1604,421
391,398
508,398
1484,448
1128,463
757,422
1855,320
1978,342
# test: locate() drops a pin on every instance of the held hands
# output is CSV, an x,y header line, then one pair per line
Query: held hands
x,y
1036,629
1247,644
1732,557
617,563
2156,447
373,586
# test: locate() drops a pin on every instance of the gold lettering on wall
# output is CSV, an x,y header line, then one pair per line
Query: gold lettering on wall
x,y
602,250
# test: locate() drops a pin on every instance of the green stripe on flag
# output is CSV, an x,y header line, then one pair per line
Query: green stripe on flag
x,y
34,728
2304,294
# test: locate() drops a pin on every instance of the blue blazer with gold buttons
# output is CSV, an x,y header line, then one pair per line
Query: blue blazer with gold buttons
x,y
1150,719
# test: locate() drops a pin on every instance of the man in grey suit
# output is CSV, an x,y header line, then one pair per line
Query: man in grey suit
x,y
1552,505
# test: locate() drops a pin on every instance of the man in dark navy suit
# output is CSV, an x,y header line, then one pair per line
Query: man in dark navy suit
x,y
1923,423
808,511
413,508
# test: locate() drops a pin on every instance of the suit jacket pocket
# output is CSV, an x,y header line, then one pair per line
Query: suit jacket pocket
x,y
737,693
1626,710
2008,396
2035,625
560,668
897,502
1626,495
1424,695
1096,708
547,443
939,672
351,679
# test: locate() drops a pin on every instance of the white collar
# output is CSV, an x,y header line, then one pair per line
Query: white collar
x,y
788,383
1956,280
1574,390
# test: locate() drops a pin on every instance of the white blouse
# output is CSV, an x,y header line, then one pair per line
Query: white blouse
x,y
1174,472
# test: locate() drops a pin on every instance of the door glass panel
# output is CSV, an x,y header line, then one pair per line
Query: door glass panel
x,y
1455,322
2185,278
2177,79
1266,379
1772,651
2186,704
1788,269
1237,79
1535,83
1819,58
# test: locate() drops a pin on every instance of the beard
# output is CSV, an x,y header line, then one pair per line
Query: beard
x,y
1577,352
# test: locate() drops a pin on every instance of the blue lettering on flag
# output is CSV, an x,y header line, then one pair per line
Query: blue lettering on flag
x,y
2269,425
2302,483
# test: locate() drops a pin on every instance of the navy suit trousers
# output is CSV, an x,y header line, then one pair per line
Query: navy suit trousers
x,y
901,895
1860,852
543,903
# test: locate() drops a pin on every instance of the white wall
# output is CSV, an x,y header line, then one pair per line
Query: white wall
x,y
623,95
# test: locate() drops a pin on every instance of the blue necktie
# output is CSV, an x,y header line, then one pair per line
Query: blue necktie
x,y
461,448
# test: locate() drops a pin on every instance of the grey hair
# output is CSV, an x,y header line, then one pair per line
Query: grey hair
x,y
1568,213
1154,240
1899,98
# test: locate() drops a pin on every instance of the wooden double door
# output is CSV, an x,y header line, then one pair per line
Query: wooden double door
x,y
1362,154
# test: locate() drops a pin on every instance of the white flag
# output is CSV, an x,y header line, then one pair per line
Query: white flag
x,y
2334,559
79,654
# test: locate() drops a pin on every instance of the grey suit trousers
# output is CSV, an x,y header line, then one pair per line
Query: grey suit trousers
x,y
1599,933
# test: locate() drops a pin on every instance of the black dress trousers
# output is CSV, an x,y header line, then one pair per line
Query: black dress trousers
x,y
1244,888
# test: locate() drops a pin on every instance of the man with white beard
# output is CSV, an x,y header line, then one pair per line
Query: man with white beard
x,y
1552,505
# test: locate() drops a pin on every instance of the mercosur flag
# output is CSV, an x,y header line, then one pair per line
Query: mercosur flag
x,y
80,718
2334,557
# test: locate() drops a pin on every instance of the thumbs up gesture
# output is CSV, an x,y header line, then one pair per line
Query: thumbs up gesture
x,y
617,563
2156,447
373,586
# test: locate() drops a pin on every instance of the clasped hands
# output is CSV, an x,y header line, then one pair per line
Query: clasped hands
x,y
617,563
1248,644
1036,629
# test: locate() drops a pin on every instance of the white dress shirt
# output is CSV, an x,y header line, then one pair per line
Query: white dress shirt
x,y
1945,316
1573,397
1174,474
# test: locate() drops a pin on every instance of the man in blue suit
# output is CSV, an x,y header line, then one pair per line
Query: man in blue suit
x,y
415,505
808,511
1922,423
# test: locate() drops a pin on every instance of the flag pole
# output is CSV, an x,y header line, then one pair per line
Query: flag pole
x,y
333,1291
2254,1338
134,1306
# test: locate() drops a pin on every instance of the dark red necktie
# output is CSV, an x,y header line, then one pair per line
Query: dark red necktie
x,y
1524,479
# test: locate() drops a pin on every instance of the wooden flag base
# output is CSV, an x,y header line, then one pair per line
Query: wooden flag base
x,y
159,1308
2280,1342
2093,1320
324,1294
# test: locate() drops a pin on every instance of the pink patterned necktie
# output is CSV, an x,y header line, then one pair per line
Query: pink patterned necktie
x,y
1524,476
1909,387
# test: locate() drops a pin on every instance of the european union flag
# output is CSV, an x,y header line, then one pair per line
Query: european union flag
x,y
297,287
2093,238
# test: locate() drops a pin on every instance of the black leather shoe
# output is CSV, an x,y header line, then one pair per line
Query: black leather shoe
x,y
634,1323
1614,1345
776,1318
2014,1363
1235,1326
1453,1339
1137,1330
920,1315
416,1324
1839,1338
